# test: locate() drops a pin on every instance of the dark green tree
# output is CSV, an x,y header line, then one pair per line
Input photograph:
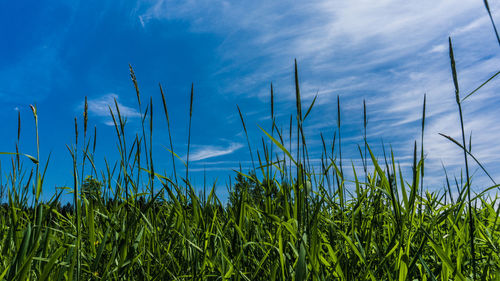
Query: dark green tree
x,y
91,188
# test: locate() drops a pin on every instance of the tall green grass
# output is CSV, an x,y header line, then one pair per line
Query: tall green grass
x,y
284,220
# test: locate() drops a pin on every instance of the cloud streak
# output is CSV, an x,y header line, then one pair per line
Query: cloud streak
x,y
387,52
211,151
100,108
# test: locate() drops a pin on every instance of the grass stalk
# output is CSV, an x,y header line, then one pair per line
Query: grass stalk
x,y
468,187
189,138
169,134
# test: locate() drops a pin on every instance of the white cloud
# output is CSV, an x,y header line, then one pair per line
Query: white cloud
x,y
387,52
100,107
210,151
439,48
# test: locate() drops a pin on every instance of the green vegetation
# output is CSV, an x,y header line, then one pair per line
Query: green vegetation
x,y
283,220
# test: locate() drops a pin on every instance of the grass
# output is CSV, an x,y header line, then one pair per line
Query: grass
x,y
283,220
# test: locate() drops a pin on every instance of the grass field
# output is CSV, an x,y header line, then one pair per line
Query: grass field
x,y
282,221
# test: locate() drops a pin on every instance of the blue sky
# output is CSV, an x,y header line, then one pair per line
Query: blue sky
x,y
390,53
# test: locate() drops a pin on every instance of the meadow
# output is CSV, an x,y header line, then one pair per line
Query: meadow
x,y
284,220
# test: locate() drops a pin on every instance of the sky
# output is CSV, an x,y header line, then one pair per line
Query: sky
x,y
390,53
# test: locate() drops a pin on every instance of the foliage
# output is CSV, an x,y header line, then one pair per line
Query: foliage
x,y
282,221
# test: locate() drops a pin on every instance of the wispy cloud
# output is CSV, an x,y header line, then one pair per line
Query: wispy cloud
x,y
387,52
210,151
100,108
